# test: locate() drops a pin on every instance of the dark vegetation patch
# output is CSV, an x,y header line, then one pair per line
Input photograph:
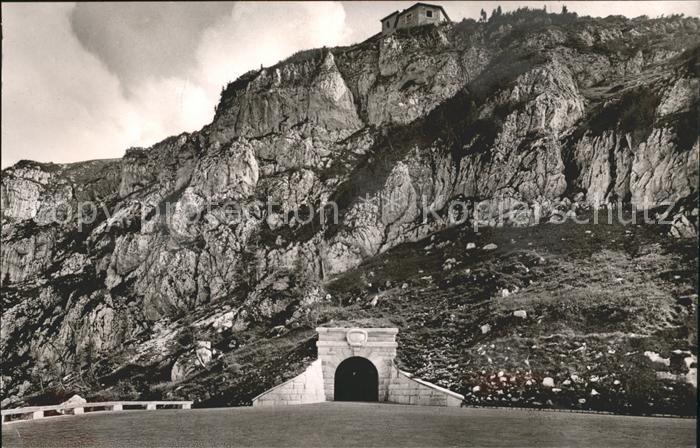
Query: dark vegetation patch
x,y
31,164
638,34
503,70
28,228
685,126
229,92
312,55
253,368
634,112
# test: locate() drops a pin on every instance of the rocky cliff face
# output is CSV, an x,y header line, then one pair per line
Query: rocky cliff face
x,y
219,234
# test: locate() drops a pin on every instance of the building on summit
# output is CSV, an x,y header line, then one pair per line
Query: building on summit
x,y
416,15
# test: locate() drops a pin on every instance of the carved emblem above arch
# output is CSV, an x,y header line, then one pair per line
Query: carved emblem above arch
x,y
356,337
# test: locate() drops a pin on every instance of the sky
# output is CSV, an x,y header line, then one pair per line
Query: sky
x,y
86,81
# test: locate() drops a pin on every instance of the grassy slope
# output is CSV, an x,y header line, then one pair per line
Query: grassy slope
x,y
594,301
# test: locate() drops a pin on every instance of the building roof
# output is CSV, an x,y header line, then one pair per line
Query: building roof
x,y
414,7
384,18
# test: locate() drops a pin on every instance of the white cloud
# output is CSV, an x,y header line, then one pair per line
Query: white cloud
x,y
263,33
60,103
167,107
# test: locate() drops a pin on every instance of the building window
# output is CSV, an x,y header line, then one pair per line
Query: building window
x,y
408,17
428,13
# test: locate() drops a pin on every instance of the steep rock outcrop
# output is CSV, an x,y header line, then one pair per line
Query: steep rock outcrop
x,y
660,173
21,189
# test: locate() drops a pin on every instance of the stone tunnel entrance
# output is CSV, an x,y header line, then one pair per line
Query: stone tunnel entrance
x,y
356,364
356,379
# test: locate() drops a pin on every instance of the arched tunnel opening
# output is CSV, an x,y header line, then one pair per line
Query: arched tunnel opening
x,y
356,379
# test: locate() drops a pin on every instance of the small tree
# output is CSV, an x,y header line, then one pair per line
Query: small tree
x,y
483,16
85,365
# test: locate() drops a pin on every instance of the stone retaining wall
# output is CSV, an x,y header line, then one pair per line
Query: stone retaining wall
x,y
306,387
405,389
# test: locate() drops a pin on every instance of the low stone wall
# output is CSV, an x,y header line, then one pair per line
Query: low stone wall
x,y
80,406
405,389
306,387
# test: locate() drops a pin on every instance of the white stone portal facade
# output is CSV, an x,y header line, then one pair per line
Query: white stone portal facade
x,y
357,360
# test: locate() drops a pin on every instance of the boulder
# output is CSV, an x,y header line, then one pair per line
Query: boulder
x,y
449,264
179,371
204,352
490,246
24,387
75,399
281,284
548,382
656,358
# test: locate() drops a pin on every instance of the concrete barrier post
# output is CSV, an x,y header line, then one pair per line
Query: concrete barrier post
x,y
68,409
